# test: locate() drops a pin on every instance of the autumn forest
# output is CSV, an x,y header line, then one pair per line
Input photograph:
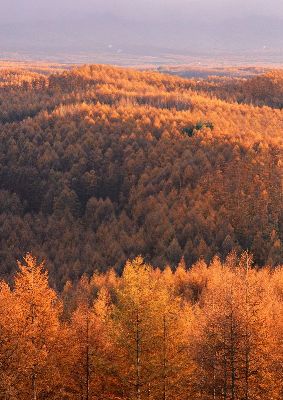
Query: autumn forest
x,y
141,235
211,332
101,164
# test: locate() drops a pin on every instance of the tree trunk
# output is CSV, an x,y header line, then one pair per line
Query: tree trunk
x,y
138,360
232,357
87,358
164,396
247,344
34,394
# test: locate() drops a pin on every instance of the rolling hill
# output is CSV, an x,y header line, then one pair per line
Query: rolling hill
x,y
99,164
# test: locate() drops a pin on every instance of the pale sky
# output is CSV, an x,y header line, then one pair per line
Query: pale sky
x,y
48,9
180,25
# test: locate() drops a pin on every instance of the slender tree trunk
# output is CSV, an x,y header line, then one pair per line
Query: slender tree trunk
x,y
247,344
34,393
225,371
138,359
164,396
232,350
87,358
247,362
214,358
214,382
33,378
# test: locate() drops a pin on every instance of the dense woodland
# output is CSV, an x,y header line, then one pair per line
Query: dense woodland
x,y
213,332
266,89
101,164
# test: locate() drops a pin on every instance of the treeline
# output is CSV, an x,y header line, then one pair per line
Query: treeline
x,y
211,332
99,164
261,90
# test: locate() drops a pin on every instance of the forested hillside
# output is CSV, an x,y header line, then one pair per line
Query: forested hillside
x,y
100,164
266,89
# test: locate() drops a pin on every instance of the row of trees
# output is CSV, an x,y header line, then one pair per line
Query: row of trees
x,y
261,90
211,332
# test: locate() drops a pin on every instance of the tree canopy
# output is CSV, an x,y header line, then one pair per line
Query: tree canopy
x,y
96,167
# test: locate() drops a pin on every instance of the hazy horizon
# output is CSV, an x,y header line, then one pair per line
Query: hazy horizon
x,y
143,27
